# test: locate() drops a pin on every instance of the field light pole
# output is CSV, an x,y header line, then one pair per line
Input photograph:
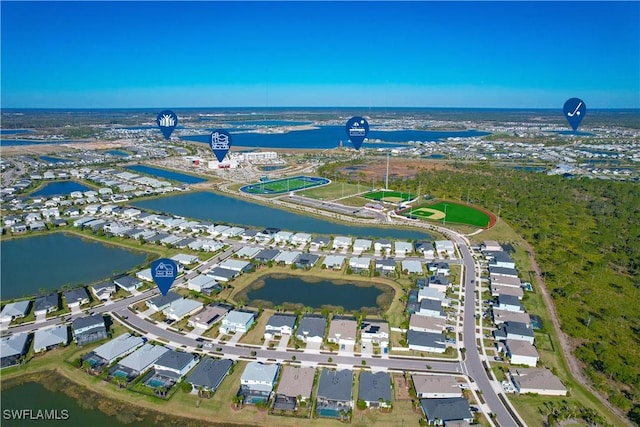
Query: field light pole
x,y
444,220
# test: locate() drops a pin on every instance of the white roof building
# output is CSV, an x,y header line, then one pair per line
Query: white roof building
x,y
412,266
287,257
181,308
342,242
118,347
14,310
45,339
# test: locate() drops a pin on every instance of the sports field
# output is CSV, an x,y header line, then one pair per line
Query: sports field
x,y
284,185
455,213
389,196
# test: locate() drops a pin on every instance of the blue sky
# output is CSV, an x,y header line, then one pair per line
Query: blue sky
x,y
268,54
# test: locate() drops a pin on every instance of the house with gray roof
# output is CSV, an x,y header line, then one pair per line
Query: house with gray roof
x,y
411,266
510,303
13,348
514,331
47,339
161,302
236,265
118,347
175,364
439,411
14,310
248,252
103,290
257,381
89,329
386,266
138,362
436,386
311,328
537,380
209,373
278,325
287,257
181,308
426,341
222,274
343,330
334,393
306,261
334,262
375,389
237,321
319,242
128,283
432,308
46,304
266,255
210,315
295,383
76,297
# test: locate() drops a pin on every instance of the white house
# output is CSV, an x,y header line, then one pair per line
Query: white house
x,y
300,238
382,246
358,264
522,353
375,332
342,331
237,321
403,248
537,380
342,242
283,237
14,310
445,247
436,386
181,308
412,267
334,262
362,245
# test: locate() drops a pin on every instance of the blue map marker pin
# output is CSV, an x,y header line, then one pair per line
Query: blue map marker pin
x,y
574,110
164,272
220,143
357,131
167,122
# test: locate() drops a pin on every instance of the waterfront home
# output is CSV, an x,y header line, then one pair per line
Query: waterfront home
x,y
50,338
46,304
445,247
181,308
287,257
334,262
306,261
237,321
283,237
427,323
202,283
145,275
103,290
13,348
342,242
88,329
361,245
266,255
300,238
249,235
210,315
174,365
311,328
18,228
426,341
209,373
319,242
412,267
521,353
402,249
14,310
130,213
108,352
128,283
432,308
257,381
295,383
248,252
217,230
278,325
334,395
343,331
76,297
502,316
236,265
382,246
161,302
436,386
359,264
537,380
446,410
439,282
433,294
138,362
375,332
386,266
222,274
232,232
497,290
375,389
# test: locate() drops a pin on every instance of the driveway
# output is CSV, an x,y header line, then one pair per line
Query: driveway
x,y
235,338
284,340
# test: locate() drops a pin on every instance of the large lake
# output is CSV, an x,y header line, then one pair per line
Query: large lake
x,y
60,188
167,174
36,397
53,260
313,292
213,207
330,137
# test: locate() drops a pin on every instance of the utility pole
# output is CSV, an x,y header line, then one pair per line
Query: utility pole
x,y
468,191
499,207
444,220
386,179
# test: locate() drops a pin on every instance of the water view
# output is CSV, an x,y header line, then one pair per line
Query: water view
x,y
118,153
50,159
330,137
22,397
14,131
167,174
60,188
213,207
53,260
315,292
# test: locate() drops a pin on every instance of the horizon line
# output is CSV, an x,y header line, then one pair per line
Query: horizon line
x,y
4,109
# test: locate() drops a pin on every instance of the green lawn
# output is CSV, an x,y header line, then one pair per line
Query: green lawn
x,y
455,213
382,195
283,185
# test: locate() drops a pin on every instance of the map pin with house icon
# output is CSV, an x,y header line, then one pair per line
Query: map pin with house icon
x,y
164,271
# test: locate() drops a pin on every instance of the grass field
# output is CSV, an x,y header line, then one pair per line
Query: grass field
x,y
389,196
284,185
451,212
